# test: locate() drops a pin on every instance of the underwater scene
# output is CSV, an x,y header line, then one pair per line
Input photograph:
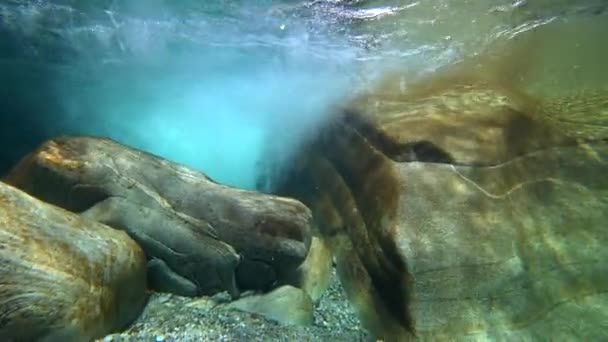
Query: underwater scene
x,y
315,170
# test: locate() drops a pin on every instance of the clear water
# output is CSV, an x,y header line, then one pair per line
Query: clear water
x,y
212,83
216,84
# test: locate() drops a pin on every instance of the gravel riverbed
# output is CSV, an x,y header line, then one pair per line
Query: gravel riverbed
x,y
172,318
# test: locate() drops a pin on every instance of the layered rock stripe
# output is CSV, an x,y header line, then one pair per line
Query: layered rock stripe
x,y
62,277
464,206
202,233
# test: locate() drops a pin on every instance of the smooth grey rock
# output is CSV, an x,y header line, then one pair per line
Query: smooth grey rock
x,y
286,304
199,228
162,278
207,263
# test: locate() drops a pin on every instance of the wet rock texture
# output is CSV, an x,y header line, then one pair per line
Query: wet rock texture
x,y
200,237
313,275
285,304
464,208
62,277
459,208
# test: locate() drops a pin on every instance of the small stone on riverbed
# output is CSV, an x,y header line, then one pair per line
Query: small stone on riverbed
x,y
170,318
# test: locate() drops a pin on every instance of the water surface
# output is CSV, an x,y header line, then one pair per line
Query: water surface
x,y
212,84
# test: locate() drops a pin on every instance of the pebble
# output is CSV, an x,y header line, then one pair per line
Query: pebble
x,y
170,318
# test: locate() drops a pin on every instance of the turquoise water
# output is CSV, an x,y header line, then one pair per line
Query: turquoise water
x,y
213,84
202,89
492,188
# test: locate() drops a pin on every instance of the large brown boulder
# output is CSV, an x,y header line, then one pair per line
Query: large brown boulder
x,y
464,207
63,277
201,237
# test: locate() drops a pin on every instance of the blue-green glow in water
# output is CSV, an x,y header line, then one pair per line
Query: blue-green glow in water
x,y
217,84
212,91
212,115
214,120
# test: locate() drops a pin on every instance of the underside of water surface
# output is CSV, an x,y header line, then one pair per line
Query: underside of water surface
x,y
210,84
452,153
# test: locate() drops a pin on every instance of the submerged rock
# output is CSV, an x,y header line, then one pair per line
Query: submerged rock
x,y
62,277
196,233
462,206
313,276
286,304
177,318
